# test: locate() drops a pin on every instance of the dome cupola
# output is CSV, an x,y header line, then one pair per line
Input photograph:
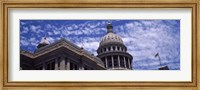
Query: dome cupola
x,y
43,42
109,27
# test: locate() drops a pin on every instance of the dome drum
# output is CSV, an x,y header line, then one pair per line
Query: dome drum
x,y
119,62
112,48
115,53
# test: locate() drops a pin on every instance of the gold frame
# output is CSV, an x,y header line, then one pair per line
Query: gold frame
x,y
6,4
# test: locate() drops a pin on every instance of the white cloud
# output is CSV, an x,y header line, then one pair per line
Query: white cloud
x,y
69,28
33,41
24,30
143,39
56,32
23,23
50,33
34,28
51,40
24,42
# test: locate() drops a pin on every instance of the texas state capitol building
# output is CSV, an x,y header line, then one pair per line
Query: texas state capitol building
x,y
64,55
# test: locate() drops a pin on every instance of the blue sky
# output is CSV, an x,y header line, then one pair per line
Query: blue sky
x,y
143,38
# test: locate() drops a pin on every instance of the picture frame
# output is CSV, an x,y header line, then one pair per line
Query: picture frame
x,y
6,84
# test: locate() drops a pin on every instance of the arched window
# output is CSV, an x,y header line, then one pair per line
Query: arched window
x,y
118,48
113,48
109,48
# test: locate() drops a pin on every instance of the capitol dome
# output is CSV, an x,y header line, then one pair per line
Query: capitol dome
x,y
113,52
110,37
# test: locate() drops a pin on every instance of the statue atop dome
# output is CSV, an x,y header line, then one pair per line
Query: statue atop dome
x,y
109,27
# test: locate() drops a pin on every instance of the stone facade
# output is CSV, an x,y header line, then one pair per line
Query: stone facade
x,y
61,55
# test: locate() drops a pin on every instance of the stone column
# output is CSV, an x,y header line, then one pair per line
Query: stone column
x,y
112,61
106,49
111,48
68,64
43,66
106,62
118,60
129,64
56,64
116,48
62,63
81,65
124,62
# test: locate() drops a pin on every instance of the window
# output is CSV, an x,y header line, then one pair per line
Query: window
x,y
115,61
109,48
118,48
114,48
66,61
58,61
75,67
109,63
52,64
48,66
71,66
121,61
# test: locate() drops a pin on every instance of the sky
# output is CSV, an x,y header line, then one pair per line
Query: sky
x,y
143,38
